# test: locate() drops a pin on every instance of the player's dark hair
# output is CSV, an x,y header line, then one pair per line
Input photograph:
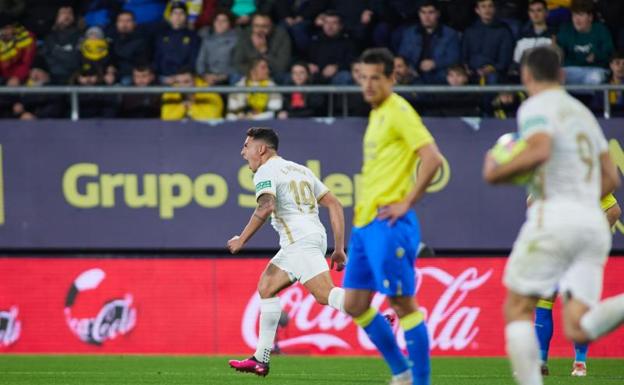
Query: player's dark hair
x,y
381,56
266,134
543,62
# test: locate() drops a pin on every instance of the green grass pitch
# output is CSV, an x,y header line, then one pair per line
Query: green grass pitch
x,y
286,370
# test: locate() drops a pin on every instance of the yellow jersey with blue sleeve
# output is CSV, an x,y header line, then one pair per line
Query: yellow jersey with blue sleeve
x,y
607,202
394,134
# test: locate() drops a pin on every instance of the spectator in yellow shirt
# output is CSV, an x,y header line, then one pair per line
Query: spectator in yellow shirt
x,y
199,106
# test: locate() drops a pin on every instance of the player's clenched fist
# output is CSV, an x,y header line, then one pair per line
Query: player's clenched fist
x,y
235,244
339,259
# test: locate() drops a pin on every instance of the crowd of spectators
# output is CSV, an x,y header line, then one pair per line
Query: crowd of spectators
x,y
261,43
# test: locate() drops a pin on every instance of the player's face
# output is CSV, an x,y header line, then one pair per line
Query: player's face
x,y
251,152
376,86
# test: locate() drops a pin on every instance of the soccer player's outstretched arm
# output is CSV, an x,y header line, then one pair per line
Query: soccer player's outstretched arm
x,y
536,152
266,205
336,217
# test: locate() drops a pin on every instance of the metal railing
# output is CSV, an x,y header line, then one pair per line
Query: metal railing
x,y
331,91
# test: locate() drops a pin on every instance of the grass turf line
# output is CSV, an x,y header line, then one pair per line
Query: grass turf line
x,y
285,370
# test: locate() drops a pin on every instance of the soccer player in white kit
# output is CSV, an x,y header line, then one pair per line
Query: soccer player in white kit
x,y
565,239
290,194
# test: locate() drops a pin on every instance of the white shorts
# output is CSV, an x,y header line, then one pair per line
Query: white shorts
x,y
568,258
304,259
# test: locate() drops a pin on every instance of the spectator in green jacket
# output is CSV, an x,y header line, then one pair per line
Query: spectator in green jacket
x,y
587,46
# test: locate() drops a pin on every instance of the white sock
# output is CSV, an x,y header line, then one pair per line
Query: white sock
x,y
604,317
270,311
336,298
523,351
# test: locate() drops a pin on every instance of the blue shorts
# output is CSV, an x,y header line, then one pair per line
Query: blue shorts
x,y
382,257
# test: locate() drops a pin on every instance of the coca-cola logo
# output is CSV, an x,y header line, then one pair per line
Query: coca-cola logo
x,y
116,316
10,326
451,323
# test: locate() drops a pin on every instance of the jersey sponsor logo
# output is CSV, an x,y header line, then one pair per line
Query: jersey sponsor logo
x,y
533,122
115,318
262,185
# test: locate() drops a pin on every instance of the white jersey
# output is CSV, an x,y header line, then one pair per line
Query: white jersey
x,y
297,192
568,184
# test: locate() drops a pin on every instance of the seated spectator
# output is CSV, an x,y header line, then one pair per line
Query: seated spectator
x,y
506,104
177,47
299,104
128,46
358,20
199,106
535,33
214,62
331,52
255,105
111,76
404,74
39,106
17,48
94,49
430,47
144,106
586,45
263,40
94,105
61,47
488,45
39,15
616,98
452,104
356,105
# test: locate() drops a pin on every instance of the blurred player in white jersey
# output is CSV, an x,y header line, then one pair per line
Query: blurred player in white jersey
x,y
565,239
290,194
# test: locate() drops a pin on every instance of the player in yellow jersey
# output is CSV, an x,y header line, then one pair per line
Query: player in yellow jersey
x,y
386,233
543,311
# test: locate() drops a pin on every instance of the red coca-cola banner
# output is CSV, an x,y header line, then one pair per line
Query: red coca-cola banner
x,y
210,306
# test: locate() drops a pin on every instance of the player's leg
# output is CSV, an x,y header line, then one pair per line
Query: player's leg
x,y
544,329
416,337
521,342
536,264
586,318
359,283
325,292
272,281
392,259
308,264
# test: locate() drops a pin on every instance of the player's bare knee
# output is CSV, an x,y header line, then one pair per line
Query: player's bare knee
x,y
403,305
355,308
265,290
